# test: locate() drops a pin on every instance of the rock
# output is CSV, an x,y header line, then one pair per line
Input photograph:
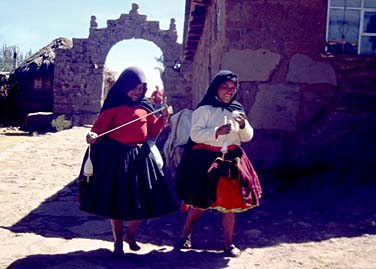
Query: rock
x,y
38,121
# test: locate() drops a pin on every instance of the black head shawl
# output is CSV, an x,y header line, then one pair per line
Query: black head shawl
x,y
128,80
210,97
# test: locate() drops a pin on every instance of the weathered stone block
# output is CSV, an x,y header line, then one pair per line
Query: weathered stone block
x,y
276,107
251,65
303,69
38,121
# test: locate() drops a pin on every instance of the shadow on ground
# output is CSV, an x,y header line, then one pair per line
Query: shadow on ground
x,y
284,216
103,258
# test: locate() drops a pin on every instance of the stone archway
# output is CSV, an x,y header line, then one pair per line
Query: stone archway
x,y
78,75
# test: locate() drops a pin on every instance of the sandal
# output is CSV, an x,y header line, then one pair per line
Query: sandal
x,y
183,243
132,244
232,251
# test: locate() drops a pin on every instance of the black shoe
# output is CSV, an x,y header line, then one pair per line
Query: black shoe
x,y
183,243
232,251
132,244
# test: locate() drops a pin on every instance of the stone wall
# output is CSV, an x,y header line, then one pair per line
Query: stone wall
x,y
212,46
307,107
78,77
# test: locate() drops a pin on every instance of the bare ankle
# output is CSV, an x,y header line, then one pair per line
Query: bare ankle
x,y
186,232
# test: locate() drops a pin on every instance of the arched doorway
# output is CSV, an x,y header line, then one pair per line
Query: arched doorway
x,y
78,75
137,52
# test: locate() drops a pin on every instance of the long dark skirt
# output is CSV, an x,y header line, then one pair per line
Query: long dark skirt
x,y
198,187
126,184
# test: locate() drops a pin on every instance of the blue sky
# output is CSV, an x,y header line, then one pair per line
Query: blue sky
x,y
33,24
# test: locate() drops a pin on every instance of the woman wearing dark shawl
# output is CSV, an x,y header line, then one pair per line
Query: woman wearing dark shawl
x,y
215,172
127,184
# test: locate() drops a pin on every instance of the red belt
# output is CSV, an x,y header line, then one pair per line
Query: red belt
x,y
212,148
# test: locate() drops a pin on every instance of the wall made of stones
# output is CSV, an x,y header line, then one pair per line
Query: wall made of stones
x,y
78,86
207,61
298,99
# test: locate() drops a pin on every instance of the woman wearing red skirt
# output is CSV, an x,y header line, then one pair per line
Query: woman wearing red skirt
x,y
215,172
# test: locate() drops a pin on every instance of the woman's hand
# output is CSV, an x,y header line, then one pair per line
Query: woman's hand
x,y
165,115
240,118
223,130
166,112
91,137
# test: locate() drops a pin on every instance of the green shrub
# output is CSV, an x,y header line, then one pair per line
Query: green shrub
x,y
60,123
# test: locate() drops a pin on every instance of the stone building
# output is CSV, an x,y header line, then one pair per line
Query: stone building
x,y
34,79
308,76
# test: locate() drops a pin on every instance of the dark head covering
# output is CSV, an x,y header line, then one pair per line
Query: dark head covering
x,y
210,97
128,80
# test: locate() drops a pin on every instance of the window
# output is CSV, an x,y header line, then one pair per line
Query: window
x,y
37,83
46,83
351,27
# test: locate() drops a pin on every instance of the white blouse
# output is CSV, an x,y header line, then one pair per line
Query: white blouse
x,y
207,119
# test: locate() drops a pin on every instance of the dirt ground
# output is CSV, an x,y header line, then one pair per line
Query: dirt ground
x,y
311,225
10,136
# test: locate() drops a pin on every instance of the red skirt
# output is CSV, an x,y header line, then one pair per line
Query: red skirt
x,y
229,198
